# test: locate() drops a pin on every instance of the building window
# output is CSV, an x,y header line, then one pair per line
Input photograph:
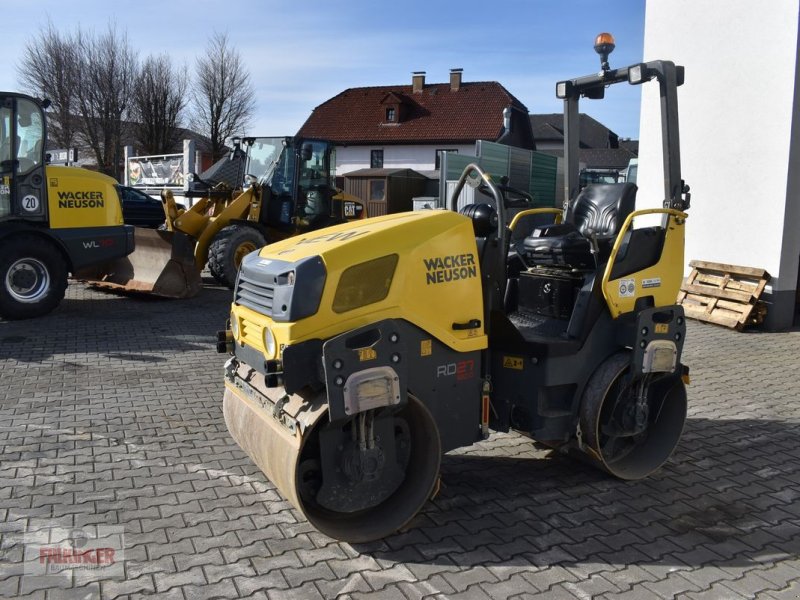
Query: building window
x,y
377,190
376,159
390,114
437,160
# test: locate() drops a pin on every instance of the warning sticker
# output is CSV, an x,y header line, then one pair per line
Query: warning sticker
x,y
627,288
513,362
425,347
367,354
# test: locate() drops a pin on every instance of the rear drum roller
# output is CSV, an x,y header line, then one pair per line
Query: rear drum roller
x,y
229,247
628,429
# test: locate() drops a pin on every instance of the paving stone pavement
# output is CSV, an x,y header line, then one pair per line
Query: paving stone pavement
x,y
110,415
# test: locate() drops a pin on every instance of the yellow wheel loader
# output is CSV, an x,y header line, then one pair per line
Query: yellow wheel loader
x,y
363,352
289,190
53,220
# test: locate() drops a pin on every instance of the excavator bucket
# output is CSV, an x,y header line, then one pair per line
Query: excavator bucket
x,y
161,264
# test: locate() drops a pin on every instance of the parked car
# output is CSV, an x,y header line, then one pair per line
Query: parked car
x,y
140,209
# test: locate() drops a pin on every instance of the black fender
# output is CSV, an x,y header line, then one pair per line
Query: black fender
x,y
447,382
81,246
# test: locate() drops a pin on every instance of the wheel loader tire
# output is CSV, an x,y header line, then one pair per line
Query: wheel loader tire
x,y
33,277
604,403
228,249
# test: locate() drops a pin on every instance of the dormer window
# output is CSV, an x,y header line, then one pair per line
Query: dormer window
x,y
393,109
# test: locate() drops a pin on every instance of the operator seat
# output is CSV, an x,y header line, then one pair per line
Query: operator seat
x,y
596,215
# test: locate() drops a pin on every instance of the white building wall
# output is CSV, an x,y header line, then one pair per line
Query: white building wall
x,y
418,157
736,107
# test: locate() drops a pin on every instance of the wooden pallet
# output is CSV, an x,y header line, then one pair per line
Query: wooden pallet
x,y
723,294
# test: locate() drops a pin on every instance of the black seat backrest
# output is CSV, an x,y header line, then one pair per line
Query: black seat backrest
x,y
601,208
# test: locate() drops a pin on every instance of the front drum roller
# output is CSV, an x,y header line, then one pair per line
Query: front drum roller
x,y
627,442
293,462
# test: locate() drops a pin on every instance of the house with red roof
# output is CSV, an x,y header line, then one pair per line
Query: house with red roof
x,y
407,126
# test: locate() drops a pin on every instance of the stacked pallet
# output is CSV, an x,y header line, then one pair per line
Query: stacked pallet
x,y
723,294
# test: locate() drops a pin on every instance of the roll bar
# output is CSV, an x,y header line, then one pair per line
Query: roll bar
x,y
669,77
498,197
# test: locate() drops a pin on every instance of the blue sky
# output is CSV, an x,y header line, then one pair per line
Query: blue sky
x,y
301,54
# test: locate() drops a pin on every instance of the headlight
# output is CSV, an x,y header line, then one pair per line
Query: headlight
x,y
269,343
638,74
234,326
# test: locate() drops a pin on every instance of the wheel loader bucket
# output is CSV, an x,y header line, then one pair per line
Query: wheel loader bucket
x,y
161,264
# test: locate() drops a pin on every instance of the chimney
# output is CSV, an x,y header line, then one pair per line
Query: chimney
x,y
455,79
417,81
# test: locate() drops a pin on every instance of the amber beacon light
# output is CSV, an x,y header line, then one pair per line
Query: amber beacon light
x,y
604,45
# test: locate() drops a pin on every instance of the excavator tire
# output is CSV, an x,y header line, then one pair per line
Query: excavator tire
x,y
229,247
33,277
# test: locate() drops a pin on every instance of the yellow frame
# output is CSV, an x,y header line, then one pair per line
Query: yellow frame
x,y
535,211
661,280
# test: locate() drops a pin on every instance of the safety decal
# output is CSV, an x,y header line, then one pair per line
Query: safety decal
x,y
627,288
5,190
651,283
426,347
365,354
662,328
513,362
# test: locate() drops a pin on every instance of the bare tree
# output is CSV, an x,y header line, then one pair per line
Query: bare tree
x,y
159,100
224,99
48,70
106,74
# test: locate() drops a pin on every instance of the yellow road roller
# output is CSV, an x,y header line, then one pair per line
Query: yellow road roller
x,y
363,352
